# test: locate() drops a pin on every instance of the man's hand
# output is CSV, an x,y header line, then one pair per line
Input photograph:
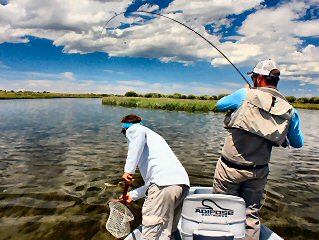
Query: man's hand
x,y
128,178
128,199
247,86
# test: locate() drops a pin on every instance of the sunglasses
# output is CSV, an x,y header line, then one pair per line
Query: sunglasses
x,y
253,75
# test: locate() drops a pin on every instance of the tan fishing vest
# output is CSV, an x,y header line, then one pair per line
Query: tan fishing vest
x,y
265,112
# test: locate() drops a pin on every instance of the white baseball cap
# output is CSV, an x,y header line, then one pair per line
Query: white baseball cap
x,y
265,67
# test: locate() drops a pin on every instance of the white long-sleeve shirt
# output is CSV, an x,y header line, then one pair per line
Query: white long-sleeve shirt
x,y
156,160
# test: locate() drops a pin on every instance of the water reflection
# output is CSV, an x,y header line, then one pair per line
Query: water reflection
x,y
56,155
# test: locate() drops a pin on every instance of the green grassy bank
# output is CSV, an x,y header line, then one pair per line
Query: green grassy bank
x,y
34,95
191,105
312,106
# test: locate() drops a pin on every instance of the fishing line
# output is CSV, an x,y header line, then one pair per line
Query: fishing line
x,y
158,14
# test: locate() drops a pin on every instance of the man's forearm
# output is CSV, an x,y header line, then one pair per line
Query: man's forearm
x,y
138,193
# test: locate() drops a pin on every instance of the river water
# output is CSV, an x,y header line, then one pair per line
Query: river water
x,y
61,160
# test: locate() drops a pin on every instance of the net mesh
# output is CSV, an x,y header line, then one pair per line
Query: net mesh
x,y
118,223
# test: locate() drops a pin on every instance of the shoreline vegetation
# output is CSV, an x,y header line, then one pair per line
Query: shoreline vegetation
x,y
173,102
188,105
34,95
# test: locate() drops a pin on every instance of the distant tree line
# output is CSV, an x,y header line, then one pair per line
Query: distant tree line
x,y
293,99
12,91
175,95
290,99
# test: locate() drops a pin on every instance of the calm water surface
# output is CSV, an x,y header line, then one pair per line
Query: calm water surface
x,y
56,155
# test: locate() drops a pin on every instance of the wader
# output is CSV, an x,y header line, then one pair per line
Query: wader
x,y
260,123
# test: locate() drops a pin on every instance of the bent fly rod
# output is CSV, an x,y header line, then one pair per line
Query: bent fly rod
x,y
158,14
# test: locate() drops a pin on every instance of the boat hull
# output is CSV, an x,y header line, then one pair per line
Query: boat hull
x,y
199,195
265,234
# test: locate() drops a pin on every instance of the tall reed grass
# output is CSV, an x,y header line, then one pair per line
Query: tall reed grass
x,y
162,103
190,105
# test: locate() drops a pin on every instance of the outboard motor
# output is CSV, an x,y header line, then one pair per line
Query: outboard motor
x,y
208,216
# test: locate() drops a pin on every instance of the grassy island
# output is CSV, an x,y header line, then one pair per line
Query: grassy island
x,y
191,105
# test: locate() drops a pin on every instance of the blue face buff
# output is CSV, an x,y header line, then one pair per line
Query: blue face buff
x,y
125,126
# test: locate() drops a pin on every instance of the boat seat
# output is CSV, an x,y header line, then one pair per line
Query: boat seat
x,y
218,216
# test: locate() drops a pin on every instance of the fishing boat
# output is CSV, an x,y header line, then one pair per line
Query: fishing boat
x,y
208,216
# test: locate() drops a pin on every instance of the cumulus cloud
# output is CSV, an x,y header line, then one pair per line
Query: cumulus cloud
x,y
77,27
210,11
116,87
148,7
277,32
57,18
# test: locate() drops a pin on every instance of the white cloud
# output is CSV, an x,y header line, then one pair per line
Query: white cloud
x,y
131,83
56,18
8,73
113,72
306,29
148,7
8,34
232,85
209,11
59,76
68,76
302,79
275,32
116,87
77,27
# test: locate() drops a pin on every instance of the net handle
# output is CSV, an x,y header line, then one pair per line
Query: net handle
x,y
126,188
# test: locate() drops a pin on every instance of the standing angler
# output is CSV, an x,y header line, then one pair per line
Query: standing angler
x,y
166,181
261,118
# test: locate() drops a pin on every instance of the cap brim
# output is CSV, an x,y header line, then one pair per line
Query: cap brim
x,y
249,73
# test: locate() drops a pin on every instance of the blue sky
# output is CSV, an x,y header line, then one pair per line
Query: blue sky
x,y
63,46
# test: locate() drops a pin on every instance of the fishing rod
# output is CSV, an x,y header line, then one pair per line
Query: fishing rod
x,y
158,14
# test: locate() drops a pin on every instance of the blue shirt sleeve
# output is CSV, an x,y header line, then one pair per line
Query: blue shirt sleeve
x,y
294,134
233,101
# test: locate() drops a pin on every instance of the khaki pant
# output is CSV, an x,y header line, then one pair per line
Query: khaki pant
x,y
162,210
248,184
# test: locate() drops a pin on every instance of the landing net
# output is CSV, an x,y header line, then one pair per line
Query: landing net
x,y
118,223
